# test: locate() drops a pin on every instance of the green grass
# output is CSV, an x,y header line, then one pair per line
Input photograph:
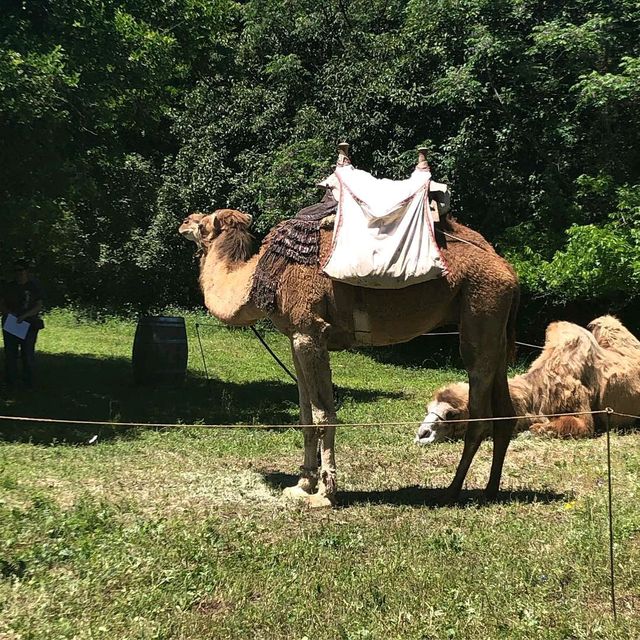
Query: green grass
x,y
180,533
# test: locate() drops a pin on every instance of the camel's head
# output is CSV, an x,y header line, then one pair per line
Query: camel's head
x,y
449,403
204,228
197,227
608,331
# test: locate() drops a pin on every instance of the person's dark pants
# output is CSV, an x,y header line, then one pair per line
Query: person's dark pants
x,y
14,347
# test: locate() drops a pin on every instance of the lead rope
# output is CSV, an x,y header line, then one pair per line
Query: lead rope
x,y
275,357
204,362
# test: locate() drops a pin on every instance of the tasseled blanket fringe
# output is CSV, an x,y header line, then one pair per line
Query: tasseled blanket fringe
x,y
294,241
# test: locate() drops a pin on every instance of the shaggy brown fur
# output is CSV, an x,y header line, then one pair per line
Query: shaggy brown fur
x,y
621,386
611,334
292,241
479,293
563,427
237,244
566,377
449,225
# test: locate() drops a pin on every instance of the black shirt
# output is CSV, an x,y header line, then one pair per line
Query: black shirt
x,y
19,298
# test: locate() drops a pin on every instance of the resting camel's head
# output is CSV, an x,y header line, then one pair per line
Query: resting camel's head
x,y
203,228
449,403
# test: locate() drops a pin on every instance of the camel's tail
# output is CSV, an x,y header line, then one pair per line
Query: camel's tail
x,y
511,327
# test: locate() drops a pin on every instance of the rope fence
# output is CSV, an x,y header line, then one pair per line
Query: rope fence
x,y
457,333
168,425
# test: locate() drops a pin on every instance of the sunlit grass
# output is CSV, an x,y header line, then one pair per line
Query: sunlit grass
x,y
180,533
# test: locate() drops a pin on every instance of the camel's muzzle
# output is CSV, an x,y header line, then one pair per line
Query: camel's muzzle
x,y
427,431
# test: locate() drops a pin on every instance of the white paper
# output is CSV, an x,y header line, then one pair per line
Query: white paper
x,y
15,328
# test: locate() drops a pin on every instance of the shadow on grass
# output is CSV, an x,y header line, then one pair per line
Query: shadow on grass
x,y
417,496
82,387
438,350
433,352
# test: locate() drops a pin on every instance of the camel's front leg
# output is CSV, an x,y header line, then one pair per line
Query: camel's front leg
x,y
312,365
308,482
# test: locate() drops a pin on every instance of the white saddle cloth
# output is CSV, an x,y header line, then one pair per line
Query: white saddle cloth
x,y
383,235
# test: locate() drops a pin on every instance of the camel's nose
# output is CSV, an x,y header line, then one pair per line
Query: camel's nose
x,y
425,434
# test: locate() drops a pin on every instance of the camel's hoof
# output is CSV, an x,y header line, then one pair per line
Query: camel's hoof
x,y
317,501
299,495
295,494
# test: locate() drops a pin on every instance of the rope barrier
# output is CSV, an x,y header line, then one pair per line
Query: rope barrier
x,y
166,425
527,344
624,415
204,362
457,333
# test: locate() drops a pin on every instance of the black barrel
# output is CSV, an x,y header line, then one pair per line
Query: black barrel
x,y
160,351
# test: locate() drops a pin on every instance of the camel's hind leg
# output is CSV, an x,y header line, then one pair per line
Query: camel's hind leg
x,y
502,429
566,427
312,365
483,350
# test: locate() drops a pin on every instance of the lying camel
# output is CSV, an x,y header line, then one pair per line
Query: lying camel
x,y
566,377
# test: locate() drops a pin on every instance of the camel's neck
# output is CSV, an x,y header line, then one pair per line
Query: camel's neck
x,y
227,287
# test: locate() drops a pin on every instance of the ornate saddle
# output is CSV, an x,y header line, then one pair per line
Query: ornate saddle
x,y
383,232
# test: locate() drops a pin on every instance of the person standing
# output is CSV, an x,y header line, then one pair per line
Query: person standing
x,y
22,297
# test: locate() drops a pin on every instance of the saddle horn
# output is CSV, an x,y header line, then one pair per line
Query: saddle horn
x,y
423,165
343,154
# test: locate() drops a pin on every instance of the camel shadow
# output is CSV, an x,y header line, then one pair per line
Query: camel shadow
x,y
418,496
82,387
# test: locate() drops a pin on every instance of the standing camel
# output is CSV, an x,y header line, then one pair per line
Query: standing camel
x,y
479,293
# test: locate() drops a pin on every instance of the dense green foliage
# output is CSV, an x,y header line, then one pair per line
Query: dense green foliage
x,y
120,116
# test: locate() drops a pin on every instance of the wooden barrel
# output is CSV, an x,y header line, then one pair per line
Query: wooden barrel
x,y
160,351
